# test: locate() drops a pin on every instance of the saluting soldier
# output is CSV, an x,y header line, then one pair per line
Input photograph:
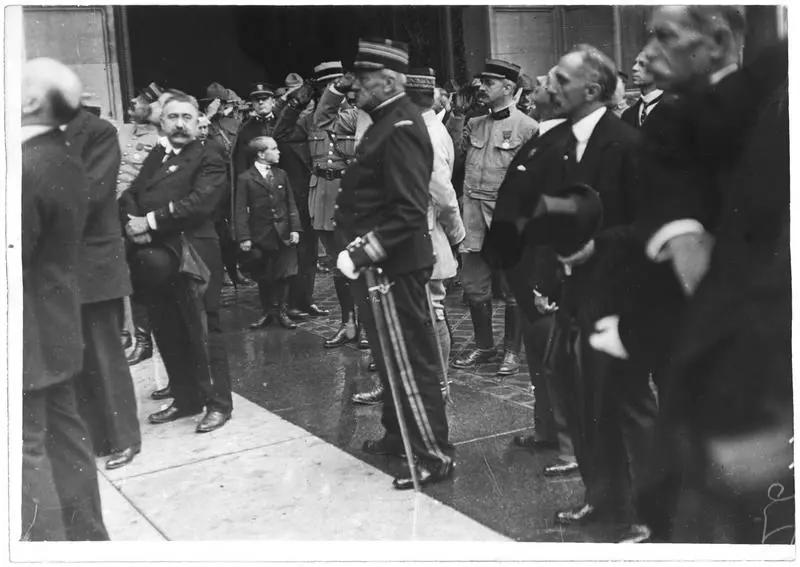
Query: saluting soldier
x,y
332,142
382,212
489,144
136,140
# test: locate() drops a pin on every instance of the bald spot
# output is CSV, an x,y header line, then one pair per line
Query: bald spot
x,y
49,90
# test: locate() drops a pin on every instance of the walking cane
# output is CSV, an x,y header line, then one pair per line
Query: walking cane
x,y
377,290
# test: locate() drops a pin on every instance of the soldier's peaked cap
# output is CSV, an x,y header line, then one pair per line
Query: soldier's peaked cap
x,y
328,70
421,79
374,54
499,69
262,89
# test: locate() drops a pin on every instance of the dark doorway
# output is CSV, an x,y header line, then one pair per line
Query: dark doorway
x,y
188,47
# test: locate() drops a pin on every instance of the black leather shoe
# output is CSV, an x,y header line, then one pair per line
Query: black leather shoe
x,y
143,349
214,419
579,515
316,311
121,458
226,280
474,357
125,339
161,394
285,321
383,447
242,280
296,314
371,398
531,442
171,414
561,468
636,533
510,364
425,476
344,335
262,322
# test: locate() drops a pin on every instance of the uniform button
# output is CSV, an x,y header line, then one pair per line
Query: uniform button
x,y
330,153
331,144
340,189
330,161
336,207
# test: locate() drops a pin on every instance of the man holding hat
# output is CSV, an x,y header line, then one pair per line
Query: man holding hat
x,y
382,213
489,144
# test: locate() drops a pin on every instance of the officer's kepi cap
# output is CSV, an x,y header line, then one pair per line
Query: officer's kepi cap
x,y
328,70
151,92
421,79
499,69
261,90
376,54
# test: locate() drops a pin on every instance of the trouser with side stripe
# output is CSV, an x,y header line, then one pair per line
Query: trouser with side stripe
x,y
417,369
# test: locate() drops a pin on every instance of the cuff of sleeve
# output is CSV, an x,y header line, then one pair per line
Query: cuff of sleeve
x,y
655,245
151,220
366,250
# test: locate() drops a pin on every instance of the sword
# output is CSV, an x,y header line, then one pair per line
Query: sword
x,y
378,286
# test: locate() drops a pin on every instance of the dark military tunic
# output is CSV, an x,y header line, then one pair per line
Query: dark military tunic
x,y
384,201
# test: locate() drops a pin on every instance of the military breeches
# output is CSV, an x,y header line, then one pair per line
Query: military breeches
x,y
416,364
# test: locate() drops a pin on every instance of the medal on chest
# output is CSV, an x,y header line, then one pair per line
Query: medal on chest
x,y
506,139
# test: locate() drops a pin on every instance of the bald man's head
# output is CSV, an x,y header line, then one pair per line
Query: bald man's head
x,y
51,92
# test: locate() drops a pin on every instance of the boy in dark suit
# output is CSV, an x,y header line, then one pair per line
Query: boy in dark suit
x,y
268,227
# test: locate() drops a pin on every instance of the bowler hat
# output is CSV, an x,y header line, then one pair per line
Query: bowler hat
x,y
151,267
568,220
262,89
293,80
375,54
499,69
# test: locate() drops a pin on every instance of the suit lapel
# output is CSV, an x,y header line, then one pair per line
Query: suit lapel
x,y
258,178
173,164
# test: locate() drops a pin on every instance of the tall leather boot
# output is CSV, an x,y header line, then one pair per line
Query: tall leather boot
x,y
484,351
348,329
143,349
279,302
513,339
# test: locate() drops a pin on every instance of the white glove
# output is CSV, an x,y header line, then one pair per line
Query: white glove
x,y
606,337
345,265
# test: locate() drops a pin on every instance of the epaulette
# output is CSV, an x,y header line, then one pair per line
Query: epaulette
x,y
403,123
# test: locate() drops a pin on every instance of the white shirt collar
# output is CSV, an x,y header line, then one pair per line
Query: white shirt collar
x,y
440,114
547,125
584,127
33,130
652,95
168,147
429,116
720,74
388,101
262,167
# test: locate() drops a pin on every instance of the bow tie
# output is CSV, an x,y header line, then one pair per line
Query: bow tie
x,y
500,114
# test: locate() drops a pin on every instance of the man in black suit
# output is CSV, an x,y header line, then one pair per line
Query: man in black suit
x,y
60,498
651,95
726,395
535,170
169,210
105,388
602,152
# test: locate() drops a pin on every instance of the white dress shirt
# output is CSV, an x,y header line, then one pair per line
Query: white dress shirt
x,y
583,129
648,105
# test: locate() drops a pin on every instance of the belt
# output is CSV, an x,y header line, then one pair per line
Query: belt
x,y
329,174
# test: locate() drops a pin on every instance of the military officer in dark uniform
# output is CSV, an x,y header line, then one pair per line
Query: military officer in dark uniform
x,y
382,213
262,124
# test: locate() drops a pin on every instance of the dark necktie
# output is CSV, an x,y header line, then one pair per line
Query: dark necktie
x,y
646,108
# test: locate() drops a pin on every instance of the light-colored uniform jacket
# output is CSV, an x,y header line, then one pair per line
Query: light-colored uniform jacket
x,y
135,142
444,218
488,146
